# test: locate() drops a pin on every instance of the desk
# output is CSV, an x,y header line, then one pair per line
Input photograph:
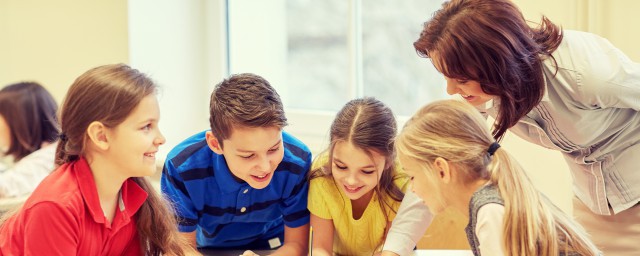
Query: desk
x,y
416,253
213,252
442,253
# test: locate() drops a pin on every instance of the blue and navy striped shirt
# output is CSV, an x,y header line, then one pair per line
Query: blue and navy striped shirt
x,y
228,213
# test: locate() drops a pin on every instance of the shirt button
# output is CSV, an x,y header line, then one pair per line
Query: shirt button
x,y
245,191
243,209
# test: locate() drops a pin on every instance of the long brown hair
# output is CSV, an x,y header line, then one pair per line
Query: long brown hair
x,y
245,100
108,94
490,42
30,113
369,125
455,131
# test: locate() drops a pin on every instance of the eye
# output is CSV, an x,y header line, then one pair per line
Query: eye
x,y
411,178
146,127
247,157
367,172
460,81
341,167
274,149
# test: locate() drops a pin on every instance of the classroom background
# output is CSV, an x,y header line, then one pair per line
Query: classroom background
x,y
317,54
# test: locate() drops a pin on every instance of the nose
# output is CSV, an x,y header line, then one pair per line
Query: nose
x,y
160,139
452,87
263,164
350,179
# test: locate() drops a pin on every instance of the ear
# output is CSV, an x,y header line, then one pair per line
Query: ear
x,y
97,133
213,143
443,169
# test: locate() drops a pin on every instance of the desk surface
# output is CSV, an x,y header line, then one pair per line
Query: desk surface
x,y
231,252
416,253
443,253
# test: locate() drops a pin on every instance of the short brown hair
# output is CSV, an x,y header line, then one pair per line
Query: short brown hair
x,y
30,113
245,100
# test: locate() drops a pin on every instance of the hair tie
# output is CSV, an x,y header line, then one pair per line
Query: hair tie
x,y
492,149
63,137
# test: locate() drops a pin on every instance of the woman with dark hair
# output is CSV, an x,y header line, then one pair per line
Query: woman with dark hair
x,y
565,90
29,134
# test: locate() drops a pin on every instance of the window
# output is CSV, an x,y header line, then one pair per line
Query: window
x,y
320,54
323,53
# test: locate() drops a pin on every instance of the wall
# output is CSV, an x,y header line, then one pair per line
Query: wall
x,y
182,46
53,42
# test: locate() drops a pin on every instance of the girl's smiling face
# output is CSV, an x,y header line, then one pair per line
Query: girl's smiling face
x,y
354,170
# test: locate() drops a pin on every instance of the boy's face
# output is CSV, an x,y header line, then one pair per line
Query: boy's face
x,y
252,154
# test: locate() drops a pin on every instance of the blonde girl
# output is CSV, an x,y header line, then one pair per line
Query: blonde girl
x,y
97,202
355,188
453,160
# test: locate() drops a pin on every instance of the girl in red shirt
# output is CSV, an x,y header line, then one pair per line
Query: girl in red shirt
x,y
97,202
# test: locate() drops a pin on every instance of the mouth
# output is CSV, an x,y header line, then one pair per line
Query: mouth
x,y
349,189
260,178
468,97
150,155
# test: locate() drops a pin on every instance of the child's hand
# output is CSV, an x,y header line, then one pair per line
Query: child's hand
x,y
249,253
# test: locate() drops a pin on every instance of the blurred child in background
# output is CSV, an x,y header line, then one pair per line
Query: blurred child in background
x,y
28,136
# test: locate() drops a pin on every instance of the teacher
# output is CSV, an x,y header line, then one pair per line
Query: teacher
x,y
565,90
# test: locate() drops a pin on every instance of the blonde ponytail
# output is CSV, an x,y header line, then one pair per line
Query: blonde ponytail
x,y
455,131
533,225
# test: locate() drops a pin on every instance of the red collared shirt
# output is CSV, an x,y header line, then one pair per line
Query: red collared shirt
x,y
63,217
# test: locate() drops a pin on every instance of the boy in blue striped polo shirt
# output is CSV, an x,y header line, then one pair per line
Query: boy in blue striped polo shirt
x,y
242,184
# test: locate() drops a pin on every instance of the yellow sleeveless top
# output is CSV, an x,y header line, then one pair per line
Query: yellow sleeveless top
x,y
351,237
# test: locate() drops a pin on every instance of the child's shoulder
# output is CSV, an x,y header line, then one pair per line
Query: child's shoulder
x,y
323,186
194,147
295,147
297,156
322,181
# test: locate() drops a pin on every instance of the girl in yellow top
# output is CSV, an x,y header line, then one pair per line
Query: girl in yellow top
x,y
355,188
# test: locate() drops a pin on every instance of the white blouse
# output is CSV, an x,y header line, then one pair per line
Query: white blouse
x,y
25,175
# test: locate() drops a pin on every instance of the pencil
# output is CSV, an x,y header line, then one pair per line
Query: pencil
x,y
310,241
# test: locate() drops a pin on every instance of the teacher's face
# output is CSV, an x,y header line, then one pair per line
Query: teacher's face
x,y
469,90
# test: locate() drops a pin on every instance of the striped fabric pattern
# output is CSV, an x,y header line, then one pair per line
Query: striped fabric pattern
x,y
225,212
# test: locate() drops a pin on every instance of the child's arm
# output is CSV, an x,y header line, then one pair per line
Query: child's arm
x,y
295,241
323,236
489,229
174,189
408,226
386,253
